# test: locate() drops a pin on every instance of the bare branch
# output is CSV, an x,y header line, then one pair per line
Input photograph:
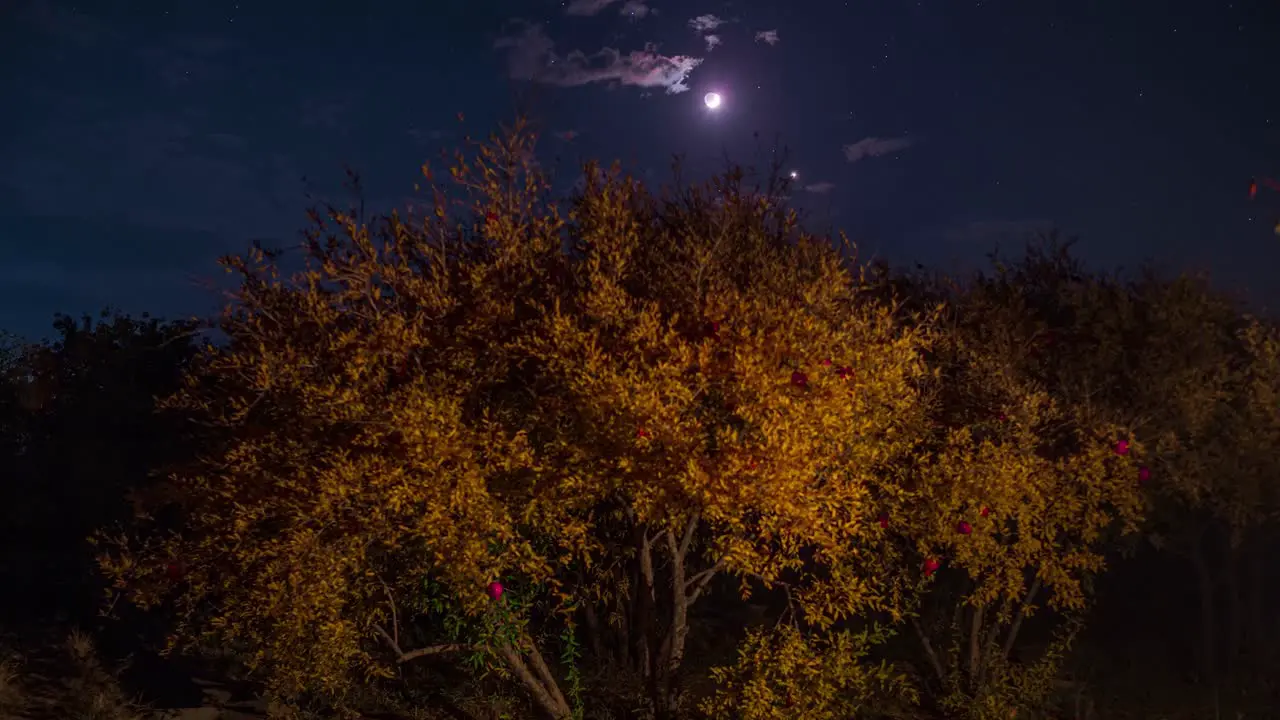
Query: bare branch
x,y
430,650
404,657
929,652
687,540
1017,618
544,672
395,623
696,584
975,644
539,691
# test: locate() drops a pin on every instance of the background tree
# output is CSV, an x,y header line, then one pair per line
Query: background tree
x,y
1189,370
1027,491
81,434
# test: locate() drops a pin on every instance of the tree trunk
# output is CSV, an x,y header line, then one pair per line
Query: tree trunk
x,y
1260,634
1208,624
1235,609
549,699
671,654
975,645
644,605
624,605
594,632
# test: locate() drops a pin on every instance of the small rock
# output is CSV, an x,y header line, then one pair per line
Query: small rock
x,y
217,696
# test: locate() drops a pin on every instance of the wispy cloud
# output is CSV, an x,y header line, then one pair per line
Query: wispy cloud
x,y
325,114
531,55
767,36
636,9
712,41
706,23
587,7
227,141
875,147
820,188
426,137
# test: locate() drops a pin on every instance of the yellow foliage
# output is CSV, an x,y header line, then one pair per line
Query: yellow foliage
x,y
784,674
730,373
1027,481
620,401
431,402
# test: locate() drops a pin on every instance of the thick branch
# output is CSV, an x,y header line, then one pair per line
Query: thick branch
x,y
687,540
929,652
1017,618
975,644
544,672
644,606
992,636
696,584
671,653
404,657
540,694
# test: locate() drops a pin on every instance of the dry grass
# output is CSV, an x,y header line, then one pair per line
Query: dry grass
x,y
12,700
93,692
68,685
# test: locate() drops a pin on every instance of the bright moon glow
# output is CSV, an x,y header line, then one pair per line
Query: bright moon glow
x,y
712,100
794,174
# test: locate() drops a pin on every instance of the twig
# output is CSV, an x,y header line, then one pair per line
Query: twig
x,y
395,623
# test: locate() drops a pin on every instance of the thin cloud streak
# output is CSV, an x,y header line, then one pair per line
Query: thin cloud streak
x,y
875,147
587,8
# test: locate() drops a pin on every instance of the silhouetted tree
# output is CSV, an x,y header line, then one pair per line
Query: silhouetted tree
x,y
80,437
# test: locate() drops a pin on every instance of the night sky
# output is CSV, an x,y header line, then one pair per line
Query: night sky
x,y
143,140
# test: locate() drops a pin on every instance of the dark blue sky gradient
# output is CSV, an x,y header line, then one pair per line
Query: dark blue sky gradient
x,y
142,140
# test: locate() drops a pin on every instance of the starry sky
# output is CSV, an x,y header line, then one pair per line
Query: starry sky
x,y
143,140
